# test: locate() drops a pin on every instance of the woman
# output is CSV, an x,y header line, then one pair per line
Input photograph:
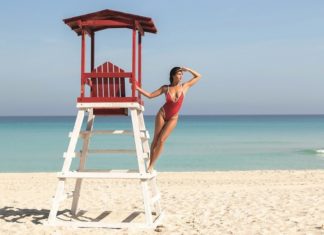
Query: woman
x,y
167,117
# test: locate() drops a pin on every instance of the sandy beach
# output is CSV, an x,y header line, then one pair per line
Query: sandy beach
x,y
234,202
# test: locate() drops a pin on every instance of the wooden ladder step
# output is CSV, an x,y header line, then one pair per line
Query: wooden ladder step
x,y
119,151
102,151
106,132
146,156
144,134
112,174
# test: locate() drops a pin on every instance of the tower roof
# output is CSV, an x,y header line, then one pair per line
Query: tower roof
x,y
106,19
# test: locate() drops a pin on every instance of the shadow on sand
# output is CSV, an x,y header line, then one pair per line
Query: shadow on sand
x,y
36,216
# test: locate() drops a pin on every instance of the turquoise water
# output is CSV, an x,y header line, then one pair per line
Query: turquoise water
x,y
199,143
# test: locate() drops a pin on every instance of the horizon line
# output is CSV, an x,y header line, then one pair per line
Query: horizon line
x,y
244,114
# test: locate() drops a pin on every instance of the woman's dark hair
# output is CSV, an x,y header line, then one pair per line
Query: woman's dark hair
x,y
173,71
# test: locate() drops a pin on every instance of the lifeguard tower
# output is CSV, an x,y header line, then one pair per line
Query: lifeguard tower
x,y
107,85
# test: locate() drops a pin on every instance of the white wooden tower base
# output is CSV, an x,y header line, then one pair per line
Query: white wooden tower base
x,y
151,197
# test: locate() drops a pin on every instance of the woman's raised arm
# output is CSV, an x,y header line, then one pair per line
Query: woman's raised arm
x,y
153,94
196,76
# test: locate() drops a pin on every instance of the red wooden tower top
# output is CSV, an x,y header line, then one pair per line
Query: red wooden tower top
x,y
105,19
107,81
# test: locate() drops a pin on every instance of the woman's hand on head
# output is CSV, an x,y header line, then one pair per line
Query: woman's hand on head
x,y
184,69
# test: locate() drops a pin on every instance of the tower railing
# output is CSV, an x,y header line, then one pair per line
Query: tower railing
x,y
107,83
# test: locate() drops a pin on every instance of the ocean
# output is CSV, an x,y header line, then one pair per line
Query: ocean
x,y
198,143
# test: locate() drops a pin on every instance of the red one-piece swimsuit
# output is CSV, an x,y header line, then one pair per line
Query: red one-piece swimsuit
x,y
171,107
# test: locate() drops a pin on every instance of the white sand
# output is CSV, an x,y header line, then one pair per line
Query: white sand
x,y
251,202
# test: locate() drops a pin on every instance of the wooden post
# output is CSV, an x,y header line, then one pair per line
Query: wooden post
x,y
83,158
139,61
73,142
141,164
92,35
133,62
83,45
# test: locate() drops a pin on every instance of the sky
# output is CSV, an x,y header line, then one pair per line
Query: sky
x,y
255,57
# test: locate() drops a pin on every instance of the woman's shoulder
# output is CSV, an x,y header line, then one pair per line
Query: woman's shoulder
x,y
165,88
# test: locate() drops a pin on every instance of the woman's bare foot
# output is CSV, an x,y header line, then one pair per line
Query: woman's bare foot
x,y
150,169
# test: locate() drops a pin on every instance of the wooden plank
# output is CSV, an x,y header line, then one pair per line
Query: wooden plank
x,y
155,200
106,175
110,105
104,23
94,86
109,99
139,63
92,59
112,170
111,79
104,132
118,151
73,140
83,53
114,132
105,88
109,75
111,112
138,143
145,156
56,201
102,151
100,82
116,82
133,80
83,157
147,203
122,85
144,134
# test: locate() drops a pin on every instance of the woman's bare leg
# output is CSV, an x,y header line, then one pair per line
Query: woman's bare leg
x,y
165,132
159,123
